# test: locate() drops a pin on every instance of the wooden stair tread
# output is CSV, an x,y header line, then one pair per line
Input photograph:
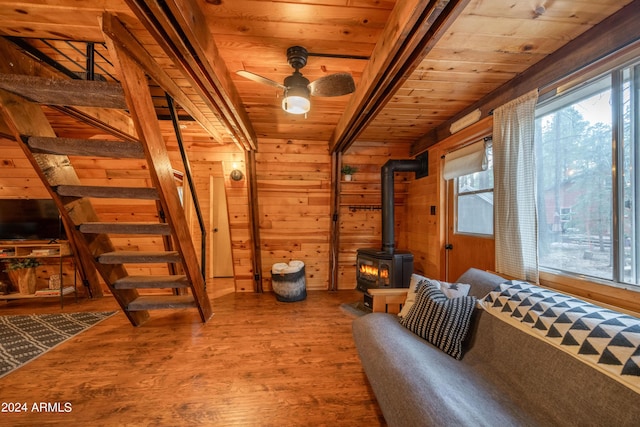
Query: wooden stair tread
x,y
78,93
125,228
146,193
156,282
159,302
124,257
86,147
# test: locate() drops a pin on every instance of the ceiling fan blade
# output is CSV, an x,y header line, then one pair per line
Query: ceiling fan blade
x,y
333,85
256,78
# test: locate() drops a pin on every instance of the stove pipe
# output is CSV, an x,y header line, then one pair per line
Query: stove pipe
x,y
420,167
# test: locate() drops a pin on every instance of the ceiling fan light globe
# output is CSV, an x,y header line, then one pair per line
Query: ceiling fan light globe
x,y
296,99
296,104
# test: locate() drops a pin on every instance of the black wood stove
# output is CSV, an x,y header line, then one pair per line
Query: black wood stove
x,y
380,269
388,267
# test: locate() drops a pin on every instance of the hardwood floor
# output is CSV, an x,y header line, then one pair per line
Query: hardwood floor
x,y
257,362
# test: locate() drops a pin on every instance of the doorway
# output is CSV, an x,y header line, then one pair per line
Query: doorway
x,y
210,186
464,250
220,256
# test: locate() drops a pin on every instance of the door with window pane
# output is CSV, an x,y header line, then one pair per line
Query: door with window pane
x,y
470,241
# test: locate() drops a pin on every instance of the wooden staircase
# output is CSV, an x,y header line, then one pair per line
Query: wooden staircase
x,y
49,156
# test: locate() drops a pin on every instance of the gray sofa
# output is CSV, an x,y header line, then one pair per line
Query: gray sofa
x,y
505,378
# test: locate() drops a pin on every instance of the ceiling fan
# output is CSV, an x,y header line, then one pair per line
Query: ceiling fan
x,y
297,88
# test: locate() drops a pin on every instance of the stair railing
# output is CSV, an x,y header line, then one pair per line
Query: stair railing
x,y
192,187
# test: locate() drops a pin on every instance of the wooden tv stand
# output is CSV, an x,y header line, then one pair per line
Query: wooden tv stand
x,y
41,250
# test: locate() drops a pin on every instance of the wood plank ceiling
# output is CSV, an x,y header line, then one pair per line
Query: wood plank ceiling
x,y
490,42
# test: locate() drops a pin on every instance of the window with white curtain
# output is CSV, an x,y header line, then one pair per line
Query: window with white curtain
x,y
472,169
587,150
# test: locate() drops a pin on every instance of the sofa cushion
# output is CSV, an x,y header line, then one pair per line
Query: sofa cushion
x,y
451,290
442,321
416,384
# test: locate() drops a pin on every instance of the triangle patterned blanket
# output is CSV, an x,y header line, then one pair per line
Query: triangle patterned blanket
x,y
606,339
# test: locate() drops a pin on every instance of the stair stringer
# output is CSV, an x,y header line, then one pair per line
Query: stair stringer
x,y
139,99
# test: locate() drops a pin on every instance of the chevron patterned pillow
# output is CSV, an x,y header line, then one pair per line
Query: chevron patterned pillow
x,y
442,321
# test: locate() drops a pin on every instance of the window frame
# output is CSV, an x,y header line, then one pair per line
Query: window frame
x,y
457,194
546,105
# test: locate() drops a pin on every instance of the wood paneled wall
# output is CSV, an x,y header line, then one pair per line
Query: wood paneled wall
x,y
294,191
17,177
425,234
360,203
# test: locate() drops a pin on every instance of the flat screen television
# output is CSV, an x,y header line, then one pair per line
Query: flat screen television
x,y
30,219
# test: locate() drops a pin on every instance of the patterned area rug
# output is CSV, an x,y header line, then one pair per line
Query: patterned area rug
x,y
24,338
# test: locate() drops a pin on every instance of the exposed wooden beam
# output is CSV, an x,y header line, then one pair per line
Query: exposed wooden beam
x,y
254,219
180,28
413,29
113,121
615,32
334,239
114,29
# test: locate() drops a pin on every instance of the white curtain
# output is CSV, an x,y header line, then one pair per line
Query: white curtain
x,y
466,160
516,221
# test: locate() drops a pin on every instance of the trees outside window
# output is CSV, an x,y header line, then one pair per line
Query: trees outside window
x,y
585,155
